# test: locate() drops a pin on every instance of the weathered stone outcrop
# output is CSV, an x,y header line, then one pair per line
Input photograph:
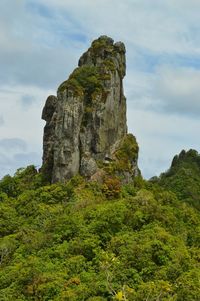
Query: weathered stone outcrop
x,y
49,114
86,124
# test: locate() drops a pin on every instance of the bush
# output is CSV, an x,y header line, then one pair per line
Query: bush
x,y
112,187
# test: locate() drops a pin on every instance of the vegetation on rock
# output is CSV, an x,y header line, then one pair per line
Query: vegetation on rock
x,y
126,153
84,79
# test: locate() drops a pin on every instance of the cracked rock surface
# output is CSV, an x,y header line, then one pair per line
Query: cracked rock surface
x,y
86,123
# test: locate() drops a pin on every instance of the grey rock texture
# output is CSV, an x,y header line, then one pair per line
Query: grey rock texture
x,y
87,120
49,114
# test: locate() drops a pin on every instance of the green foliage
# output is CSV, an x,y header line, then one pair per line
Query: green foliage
x,y
188,284
106,50
88,78
128,149
112,187
24,179
127,153
183,177
85,79
8,185
89,241
109,64
124,162
99,44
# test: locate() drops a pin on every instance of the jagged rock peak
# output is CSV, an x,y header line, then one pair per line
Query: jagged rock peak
x,y
49,108
190,156
49,114
104,49
86,128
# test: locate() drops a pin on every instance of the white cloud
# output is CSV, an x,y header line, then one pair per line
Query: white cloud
x,y
160,26
12,143
179,90
33,50
2,122
25,124
9,164
170,90
23,130
160,137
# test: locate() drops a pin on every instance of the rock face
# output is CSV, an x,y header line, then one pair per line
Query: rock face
x,y
49,114
86,123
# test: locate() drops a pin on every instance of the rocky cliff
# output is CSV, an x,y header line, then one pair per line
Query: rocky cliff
x,y
86,129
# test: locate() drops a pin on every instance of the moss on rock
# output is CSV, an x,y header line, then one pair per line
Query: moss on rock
x,y
124,160
128,149
84,79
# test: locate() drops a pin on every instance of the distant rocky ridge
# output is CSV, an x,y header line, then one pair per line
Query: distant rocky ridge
x,y
183,177
86,128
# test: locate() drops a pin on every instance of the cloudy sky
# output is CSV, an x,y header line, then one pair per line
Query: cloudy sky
x,y
42,40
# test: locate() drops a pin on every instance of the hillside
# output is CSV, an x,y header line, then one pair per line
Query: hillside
x,y
183,177
88,241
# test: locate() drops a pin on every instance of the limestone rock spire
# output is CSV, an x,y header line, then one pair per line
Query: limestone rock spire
x,y
86,122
